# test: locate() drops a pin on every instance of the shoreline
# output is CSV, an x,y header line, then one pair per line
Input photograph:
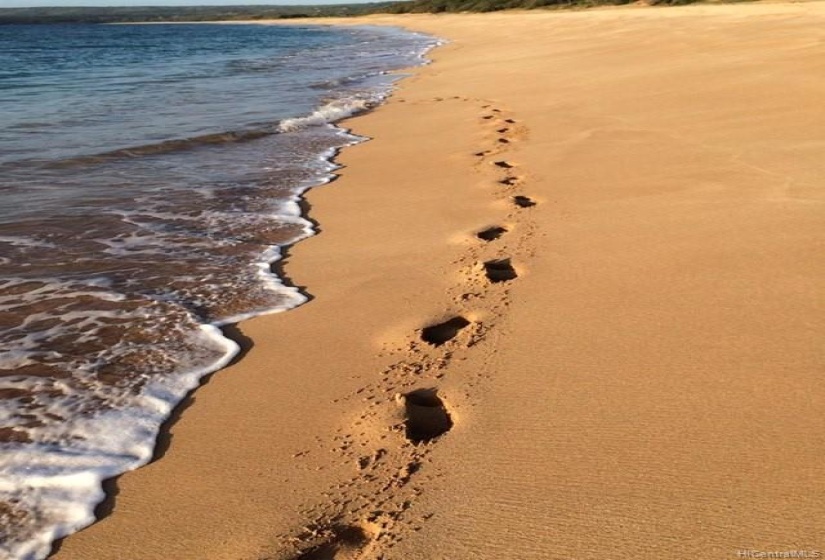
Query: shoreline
x,y
596,344
86,507
231,328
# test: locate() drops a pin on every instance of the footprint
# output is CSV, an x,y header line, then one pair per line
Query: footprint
x,y
509,181
503,164
500,270
503,141
491,233
503,130
406,472
509,121
523,201
341,542
426,417
437,335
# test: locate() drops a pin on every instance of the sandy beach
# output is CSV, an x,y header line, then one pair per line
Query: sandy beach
x,y
613,221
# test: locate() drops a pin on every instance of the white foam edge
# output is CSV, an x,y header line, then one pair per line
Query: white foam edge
x,y
74,493
342,108
334,110
87,481
290,210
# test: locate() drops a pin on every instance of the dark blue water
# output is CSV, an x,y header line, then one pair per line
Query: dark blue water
x,y
69,90
149,175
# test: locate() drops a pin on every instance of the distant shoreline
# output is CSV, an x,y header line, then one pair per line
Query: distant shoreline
x,y
218,14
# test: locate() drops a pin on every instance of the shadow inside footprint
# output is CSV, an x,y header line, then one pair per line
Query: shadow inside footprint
x,y
523,201
500,270
426,416
491,233
503,164
344,542
443,332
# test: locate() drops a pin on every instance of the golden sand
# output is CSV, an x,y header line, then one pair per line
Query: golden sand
x,y
636,372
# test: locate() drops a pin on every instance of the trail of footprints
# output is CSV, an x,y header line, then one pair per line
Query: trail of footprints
x,y
404,414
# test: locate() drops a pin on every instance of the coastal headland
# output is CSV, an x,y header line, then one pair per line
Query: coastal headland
x,y
566,304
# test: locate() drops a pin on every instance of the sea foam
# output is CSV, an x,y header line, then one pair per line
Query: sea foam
x,y
334,110
116,299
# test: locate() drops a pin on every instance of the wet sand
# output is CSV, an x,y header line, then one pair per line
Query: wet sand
x,y
567,303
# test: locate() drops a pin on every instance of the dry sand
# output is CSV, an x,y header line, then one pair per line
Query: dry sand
x,y
648,386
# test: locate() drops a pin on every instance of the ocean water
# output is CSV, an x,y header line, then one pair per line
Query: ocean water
x,y
149,177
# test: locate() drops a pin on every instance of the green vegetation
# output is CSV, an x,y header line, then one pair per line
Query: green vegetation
x,y
181,13
238,13
437,6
